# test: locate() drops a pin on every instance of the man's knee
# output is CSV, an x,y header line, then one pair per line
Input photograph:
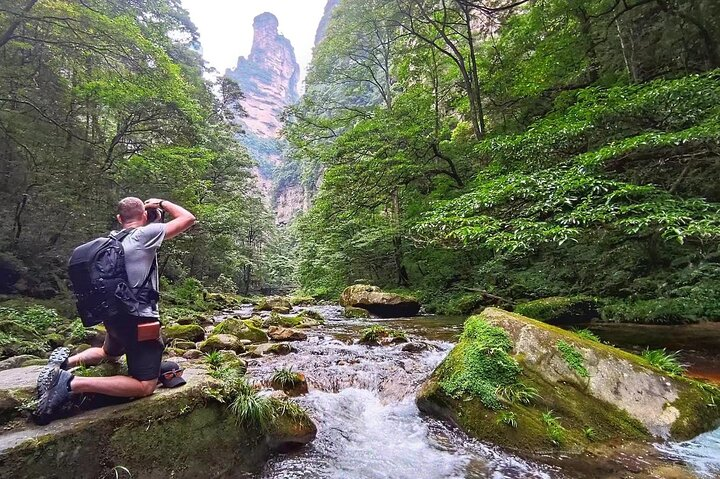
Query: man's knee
x,y
148,387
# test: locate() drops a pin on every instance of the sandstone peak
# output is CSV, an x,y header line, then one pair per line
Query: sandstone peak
x,y
266,21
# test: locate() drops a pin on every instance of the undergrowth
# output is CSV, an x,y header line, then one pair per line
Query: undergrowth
x,y
573,358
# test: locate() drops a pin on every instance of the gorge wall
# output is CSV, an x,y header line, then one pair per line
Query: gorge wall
x,y
269,79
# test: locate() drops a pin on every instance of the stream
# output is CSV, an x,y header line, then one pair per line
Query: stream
x,y
362,400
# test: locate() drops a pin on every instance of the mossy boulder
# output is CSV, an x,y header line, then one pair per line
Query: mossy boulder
x,y
242,329
187,332
183,345
532,387
185,316
381,336
179,432
271,302
222,300
299,321
218,342
385,305
278,333
259,350
359,313
560,309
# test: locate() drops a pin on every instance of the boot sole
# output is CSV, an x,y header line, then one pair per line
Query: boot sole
x,y
58,356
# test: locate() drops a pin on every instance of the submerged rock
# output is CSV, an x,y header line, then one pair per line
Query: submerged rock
x,y
271,302
180,432
280,349
352,312
385,305
528,386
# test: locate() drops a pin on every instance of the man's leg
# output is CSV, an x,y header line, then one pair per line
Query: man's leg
x,y
118,386
90,357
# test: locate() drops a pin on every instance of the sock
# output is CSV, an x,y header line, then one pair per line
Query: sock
x,y
69,388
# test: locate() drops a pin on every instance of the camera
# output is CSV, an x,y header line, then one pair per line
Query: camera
x,y
155,215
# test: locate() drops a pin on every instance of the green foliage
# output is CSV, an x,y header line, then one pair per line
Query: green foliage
x,y
573,358
587,335
26,331
213,359
480,365
555,431
557,308
508,418
518,393
664,361
286,378
590,434
250,409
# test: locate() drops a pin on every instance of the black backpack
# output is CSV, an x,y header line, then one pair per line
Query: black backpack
x,y
100,281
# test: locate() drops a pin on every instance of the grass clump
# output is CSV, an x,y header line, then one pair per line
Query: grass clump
x,y
481,365
665,361
518,393
286,378
573,358
555,431
587,335
213,359
250,409
590,434
508,418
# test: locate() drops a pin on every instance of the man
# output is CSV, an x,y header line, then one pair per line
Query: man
x,y
144,356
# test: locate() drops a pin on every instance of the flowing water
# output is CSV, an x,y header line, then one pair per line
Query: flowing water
x,y
362,400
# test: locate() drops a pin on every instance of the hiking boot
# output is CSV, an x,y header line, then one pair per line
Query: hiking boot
x,y
56,395
58,359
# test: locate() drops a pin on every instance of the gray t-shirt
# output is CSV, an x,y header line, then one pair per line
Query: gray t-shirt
x,y
140,248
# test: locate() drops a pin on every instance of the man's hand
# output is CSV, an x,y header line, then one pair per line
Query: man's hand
x,y
182,219
153,203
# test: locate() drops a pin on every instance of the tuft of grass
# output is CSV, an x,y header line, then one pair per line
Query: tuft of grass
x,y
555,431
573,358
508,418
587,334
250,409
517,393
590,434
664,361
373,334
213,359
286,378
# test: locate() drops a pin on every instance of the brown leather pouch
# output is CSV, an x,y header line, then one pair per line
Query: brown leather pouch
x,y
149,331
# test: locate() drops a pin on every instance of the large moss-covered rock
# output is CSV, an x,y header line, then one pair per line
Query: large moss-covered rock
x,y
187,332
178,432
385,305
218,342
352,312
528,386
270,303
242,329
560,310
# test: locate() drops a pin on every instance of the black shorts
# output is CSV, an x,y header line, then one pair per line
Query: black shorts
x,y
143,357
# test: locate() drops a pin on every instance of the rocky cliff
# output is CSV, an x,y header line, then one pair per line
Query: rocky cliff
x,y
269,78
322,27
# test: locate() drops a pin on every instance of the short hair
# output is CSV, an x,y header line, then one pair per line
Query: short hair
x,y
130,208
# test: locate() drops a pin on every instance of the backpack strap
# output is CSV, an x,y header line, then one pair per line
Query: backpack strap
x,y
122,234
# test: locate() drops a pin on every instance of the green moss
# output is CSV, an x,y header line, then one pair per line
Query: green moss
x,y
480,364
699,407
188,332
356,313
573,358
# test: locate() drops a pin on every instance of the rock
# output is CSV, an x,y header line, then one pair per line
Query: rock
x,y
281,310
312,315
192,354
415,347
385,305
147,436
242,329
189,332
184,345
222,300
352,312
253,333
230,359
560,310
271,302
553,385
281,349
15,361
278,333
217,342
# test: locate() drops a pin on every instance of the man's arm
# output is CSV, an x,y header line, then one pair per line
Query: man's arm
x,y
181,221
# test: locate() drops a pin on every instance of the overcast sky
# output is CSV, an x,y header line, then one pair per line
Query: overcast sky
x,y
226,26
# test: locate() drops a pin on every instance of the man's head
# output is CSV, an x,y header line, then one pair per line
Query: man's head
x,y
131,210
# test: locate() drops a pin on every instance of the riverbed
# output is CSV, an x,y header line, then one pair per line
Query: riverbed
x,y
362,399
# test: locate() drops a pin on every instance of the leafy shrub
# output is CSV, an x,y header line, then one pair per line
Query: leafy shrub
x,y
654,311
559,309
508,418
555,431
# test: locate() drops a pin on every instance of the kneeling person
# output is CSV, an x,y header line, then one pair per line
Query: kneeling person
x,y
137,337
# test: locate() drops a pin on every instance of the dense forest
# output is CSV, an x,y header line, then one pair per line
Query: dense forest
x,y
469,152
479,152
102,99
